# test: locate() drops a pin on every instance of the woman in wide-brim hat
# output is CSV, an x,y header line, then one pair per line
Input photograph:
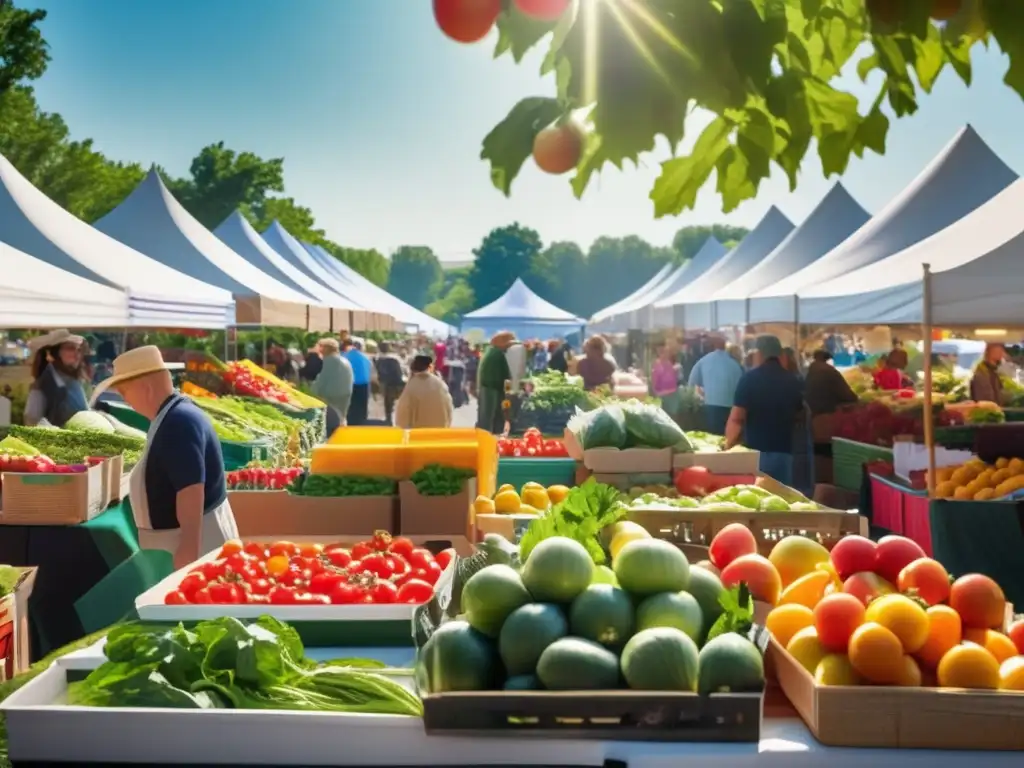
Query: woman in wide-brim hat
x,y
59,378
492,374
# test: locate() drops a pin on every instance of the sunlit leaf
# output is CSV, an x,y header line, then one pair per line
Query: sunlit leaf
x,y
510,142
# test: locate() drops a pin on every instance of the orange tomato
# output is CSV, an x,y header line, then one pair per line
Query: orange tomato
x,y
1016,634
759,574
285,548
979,601
807,590
277,565
969,666
925,578
786,620
1011,674
944,631
231,547
835,619
996,643
311,550
910,674
877,655
903,617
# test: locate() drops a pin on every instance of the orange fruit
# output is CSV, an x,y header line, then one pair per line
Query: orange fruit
x,y
903,617
1011,674
944,632
557,149
877,654
996,643
1016,633
835,618
760,575
807,649
969,666
910,674
807,590
979,601
786,620
925,578
796,556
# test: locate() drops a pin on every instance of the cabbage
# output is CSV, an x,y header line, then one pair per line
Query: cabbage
x,y
89,421
121,428
648,426
604,427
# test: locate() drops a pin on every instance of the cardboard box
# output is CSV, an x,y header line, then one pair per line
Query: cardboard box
x,y
279,513
53,499
14,629
628,461
720,462
435,515
511,527
113,470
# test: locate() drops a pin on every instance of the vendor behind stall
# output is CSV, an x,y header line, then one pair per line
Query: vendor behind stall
x,y
59,377
986,384
177,491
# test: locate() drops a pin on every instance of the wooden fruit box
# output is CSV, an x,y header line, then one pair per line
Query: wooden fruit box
x,y
903,718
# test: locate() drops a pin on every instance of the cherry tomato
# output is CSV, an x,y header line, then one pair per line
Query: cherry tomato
x,y
260,587
396,564
177,597
433,573
324,583
311,550
286,548
382,592
419,557
346,594
224,594
293,577
376,564
256,550
402,546
213,570
202,597
282,596
237,562
192,583
277,565
415,591
361,550
339,557
444,557
232,547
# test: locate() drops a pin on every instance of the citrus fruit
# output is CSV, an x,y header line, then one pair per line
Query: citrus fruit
x,y
944,632
806,649
968,666
557,149
836,669
483,505
796,556
759,575
1011,674
1016,633
507,502
624,533
506,487
996,643
979,601
910,673
557,493
734,540
648,566
807,590
536,497
925,578
903,617
557,570
835,618
785,621
532,484
877,654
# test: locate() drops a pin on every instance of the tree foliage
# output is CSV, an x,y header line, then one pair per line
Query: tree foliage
x,y
505,254
689,240
23,51
765,71
416,275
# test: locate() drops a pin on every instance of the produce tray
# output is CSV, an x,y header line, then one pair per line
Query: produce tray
x,y
237,455
547,472
849,458
721,462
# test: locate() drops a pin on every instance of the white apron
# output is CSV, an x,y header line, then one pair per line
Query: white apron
x,y
218,524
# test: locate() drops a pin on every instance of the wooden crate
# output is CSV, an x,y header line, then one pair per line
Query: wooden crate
x,y
53,499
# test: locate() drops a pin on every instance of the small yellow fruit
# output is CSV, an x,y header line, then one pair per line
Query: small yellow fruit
x,y
507,502
482,505
836,669
526,509
532,484
625,532
557,493
807,649
536,497
507,487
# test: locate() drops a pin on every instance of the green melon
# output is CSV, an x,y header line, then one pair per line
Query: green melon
x,y
523,683
672,609
557,570
572,664
457,658
707,588
730,663
490,595
604,614
660,659
527,631
649,566
604,575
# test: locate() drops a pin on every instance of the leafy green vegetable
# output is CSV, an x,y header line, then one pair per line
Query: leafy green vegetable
x,y
604,427
648,426
584,512
73,446
89,421
224,663
343,485
439,480
9,578
738,612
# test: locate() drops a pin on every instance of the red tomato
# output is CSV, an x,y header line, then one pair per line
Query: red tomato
x,y
420,557
382,592
346,594
433,572
260,587
361,550
402,546
177,597
415,591
305,598
377,564
202,597
225,594
543,10
339,557
286,548
256,550
324,583
259,600
192,583
466,21
444,557
282,596
232,547
212,571
237,562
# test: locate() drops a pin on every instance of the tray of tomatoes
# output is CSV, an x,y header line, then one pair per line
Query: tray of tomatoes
x,y
379,578
532,445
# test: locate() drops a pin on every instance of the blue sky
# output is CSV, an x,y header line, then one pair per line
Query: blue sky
x,y
379,118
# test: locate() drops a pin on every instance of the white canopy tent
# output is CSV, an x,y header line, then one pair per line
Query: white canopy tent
x,y
965,174
652,317
377,297
34,294
834,219
523,312
977,266
158,296
690,306
151,220
604,321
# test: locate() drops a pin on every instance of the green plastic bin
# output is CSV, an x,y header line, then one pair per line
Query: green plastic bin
x,y
849,458
237,455
547,472
127,415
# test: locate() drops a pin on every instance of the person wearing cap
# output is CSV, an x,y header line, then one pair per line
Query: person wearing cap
x,y
492,374
425,401
766,405
177,490
59,377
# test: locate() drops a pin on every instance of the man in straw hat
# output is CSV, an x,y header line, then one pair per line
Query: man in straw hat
x,y
177,491
491,377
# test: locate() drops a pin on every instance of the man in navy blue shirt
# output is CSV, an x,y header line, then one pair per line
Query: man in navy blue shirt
x,y
767,401
358,409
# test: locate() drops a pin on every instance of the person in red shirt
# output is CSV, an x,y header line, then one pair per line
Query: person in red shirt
x,y
440,353
890,376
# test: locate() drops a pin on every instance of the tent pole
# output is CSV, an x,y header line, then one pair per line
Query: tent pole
x,y
929,423
796,326
264,346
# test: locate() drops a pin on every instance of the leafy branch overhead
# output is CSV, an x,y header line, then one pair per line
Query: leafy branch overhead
x,y
764,72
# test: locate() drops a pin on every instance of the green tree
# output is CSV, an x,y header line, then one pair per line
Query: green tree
x,y
766,70
558,273
368,262
23,51
456,302
689,240
617,266
298,220
505,254
416,276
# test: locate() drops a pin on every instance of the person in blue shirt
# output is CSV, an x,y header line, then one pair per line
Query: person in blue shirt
x,y
716,376
768,401
362,367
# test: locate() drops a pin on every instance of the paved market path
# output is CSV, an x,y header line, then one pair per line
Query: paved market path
x,y
463,417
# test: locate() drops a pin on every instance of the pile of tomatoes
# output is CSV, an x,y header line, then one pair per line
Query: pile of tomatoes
x,y
532,445
262,478
381,570
245,382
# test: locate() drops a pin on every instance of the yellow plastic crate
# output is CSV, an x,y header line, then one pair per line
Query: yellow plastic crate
x,y
367,436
